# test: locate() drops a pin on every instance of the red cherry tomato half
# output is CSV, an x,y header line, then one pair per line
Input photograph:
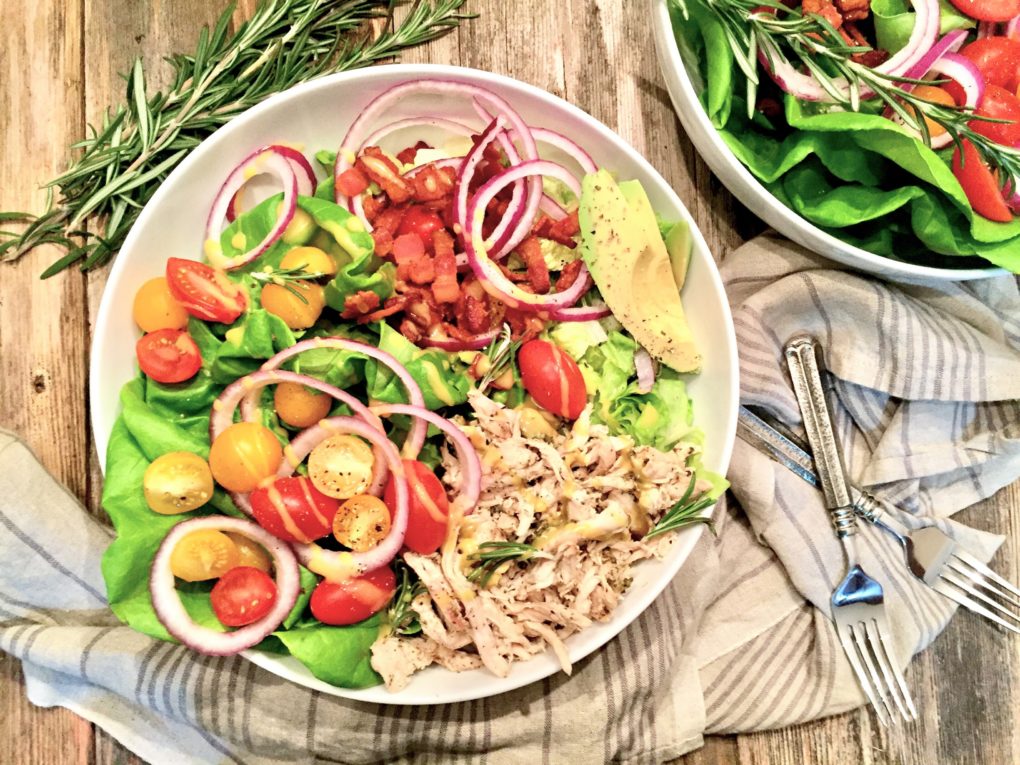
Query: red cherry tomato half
x,y
205,292
168,355
989,10
418,220
997,58
354,600
552,378
998,103
979,184
428,511
293,509
242,596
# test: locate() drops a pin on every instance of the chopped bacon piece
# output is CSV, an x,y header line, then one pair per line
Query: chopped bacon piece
x,y
825,9
476,314
410,330
562,231
393,305
871,58
517,277
568,275
374,206
385,228
408,154
445,288
432,184
420,270
853,10
523,326
383,240
351,182
407,248
530,251
360,303
381,169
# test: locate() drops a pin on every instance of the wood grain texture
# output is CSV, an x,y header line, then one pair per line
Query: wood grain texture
x,y
58,67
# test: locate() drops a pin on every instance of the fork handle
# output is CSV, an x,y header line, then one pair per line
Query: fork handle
x,y
803,359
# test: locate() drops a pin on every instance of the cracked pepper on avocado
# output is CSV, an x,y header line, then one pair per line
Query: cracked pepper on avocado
x,y
423,406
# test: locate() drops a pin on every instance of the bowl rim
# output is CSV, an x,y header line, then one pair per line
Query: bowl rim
x,y
686,540
743,184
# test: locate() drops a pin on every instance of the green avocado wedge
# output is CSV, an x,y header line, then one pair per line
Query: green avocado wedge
x,y
621,244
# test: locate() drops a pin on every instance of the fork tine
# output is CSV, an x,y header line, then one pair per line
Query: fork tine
x,y
940,585
850,649
889,667
981,568
963,585
860,632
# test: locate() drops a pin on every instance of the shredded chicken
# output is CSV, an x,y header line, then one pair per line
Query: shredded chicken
x,y
584,498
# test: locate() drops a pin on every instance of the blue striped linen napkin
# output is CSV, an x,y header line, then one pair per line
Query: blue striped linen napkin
x,y
928,382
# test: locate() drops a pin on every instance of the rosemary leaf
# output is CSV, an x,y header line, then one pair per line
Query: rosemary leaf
x,y
491,556
686,512
118,167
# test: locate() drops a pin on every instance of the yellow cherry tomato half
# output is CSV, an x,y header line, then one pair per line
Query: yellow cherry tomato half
x,y
935,95
341,466
299,405
155,308
177,482
251,553
298,303
203,554
244,455
362,522
311,260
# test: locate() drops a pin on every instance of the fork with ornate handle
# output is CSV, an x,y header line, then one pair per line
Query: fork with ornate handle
x,y
858,607
932,556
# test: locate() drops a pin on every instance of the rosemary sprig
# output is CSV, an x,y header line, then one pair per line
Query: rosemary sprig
x,y
490,556
500,353
400,617
783,35
125,159
285,277
686,512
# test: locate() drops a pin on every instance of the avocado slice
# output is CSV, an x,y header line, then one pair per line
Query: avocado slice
x,y
678,245
621,244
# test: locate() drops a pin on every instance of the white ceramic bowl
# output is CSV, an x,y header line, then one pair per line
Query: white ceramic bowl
x,y
317,115
684,84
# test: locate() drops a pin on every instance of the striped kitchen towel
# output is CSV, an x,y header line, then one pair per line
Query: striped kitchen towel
x,y
928,378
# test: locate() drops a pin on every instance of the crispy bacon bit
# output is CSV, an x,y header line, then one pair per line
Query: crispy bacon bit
x,y
825,9
360,303
407,155
374,206
562,231
568,275
853,10
411,331
530,251
420,270
432,184
385,228
871,58
393,305
445,288
381,169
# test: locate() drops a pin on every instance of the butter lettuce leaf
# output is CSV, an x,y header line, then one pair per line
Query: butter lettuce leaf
x,y
439,374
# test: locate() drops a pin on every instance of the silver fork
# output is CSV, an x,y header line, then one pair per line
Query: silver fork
x,y
931,555
858,607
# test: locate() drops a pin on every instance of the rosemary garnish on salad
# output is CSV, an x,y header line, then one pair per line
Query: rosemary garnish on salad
x,y
400,617
491,556
686,512
284,277
783,35
122,163
500,354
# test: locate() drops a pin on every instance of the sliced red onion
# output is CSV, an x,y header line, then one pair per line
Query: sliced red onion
x,y
645,371
1012,194
340,566
471,466
489,274
951,42
476,343
580,313
1013,28
962,71
569,147
987,29
272,160
172,614
416,436
807,88
424,121
302,168
453,162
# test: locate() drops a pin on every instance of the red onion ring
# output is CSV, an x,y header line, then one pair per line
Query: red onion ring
x,y
440,122
1013,28
645,371
488,273
340,566
172,614
302,168
951,42
416,436
806,88
270,159
470,488
454,162
962,71
987,29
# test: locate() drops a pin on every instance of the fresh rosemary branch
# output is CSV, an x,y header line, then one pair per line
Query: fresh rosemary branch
x,y
120,165
492,555
400,616
686,512
285,277
782,35
500,353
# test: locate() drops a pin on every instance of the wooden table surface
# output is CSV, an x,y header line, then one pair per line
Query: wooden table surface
x,y
59,61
